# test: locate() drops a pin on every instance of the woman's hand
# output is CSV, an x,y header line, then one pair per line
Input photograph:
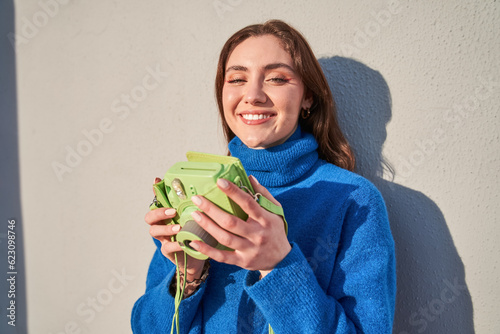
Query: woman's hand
x,y
158,220
259,243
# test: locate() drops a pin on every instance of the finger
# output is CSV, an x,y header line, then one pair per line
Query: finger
x,y
223,256
262,190
164,231
224,237
240,197
170,247
221,218
158,216
157,180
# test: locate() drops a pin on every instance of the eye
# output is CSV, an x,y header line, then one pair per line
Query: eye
x,y
279,80
235,81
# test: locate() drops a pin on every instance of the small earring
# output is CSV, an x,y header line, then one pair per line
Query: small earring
x,y
305,113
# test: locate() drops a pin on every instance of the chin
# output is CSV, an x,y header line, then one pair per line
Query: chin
x,y
254,144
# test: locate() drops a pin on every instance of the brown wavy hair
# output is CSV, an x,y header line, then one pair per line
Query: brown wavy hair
x,y
322,123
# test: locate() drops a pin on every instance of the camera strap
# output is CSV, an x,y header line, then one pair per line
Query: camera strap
x,y
271,207
266,204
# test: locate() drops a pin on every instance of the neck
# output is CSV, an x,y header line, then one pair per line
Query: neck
x,y
279,165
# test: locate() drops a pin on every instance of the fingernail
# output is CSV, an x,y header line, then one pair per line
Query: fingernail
x,y
255,179
196,200
170,212
176,228
223,183
196,215
194,245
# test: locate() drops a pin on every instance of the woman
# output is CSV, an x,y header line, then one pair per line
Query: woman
x,y
335,272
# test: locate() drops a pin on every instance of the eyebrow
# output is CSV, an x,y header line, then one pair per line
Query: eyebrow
x,y
267,67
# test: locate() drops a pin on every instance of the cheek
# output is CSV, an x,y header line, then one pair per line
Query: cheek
x,y
229,97
291,104
228,105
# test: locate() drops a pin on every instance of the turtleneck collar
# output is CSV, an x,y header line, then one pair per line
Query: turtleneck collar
x,y
279,165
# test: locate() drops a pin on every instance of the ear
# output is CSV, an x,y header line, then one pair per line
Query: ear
x,y
307,100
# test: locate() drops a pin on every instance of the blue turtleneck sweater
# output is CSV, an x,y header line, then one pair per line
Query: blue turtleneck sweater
x,y
339,276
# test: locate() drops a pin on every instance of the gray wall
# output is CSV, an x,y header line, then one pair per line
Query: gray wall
x,y
102,96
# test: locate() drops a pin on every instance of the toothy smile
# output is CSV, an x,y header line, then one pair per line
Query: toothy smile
x,y
254,117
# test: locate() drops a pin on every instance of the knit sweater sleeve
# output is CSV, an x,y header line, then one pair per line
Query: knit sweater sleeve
x,y
153,312
360,296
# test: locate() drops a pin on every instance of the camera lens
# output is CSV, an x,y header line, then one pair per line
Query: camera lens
x,y
186,243
192,231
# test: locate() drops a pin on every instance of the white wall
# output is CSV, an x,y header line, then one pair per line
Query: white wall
x,y
417,84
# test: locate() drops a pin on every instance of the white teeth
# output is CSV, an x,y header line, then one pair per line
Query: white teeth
x,y
254,117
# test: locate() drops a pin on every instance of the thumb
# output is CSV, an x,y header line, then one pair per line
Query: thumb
x,y
262,190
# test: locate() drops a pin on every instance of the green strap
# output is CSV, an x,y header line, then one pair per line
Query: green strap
x,y
179,293
271,207
161,199
276,209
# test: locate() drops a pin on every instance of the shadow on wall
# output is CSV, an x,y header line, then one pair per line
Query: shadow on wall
x,y
432,294
12,286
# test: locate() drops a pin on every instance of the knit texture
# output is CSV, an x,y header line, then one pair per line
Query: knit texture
x,y
279,165
339,276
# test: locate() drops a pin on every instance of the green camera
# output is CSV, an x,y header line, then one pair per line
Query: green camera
x,y
198,176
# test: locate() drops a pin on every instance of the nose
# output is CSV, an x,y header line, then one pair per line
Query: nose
x,y
255,92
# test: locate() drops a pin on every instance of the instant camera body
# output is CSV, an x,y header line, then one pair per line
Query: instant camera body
x,y
198,176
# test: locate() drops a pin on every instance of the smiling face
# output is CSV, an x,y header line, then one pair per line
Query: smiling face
x,y
262,94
